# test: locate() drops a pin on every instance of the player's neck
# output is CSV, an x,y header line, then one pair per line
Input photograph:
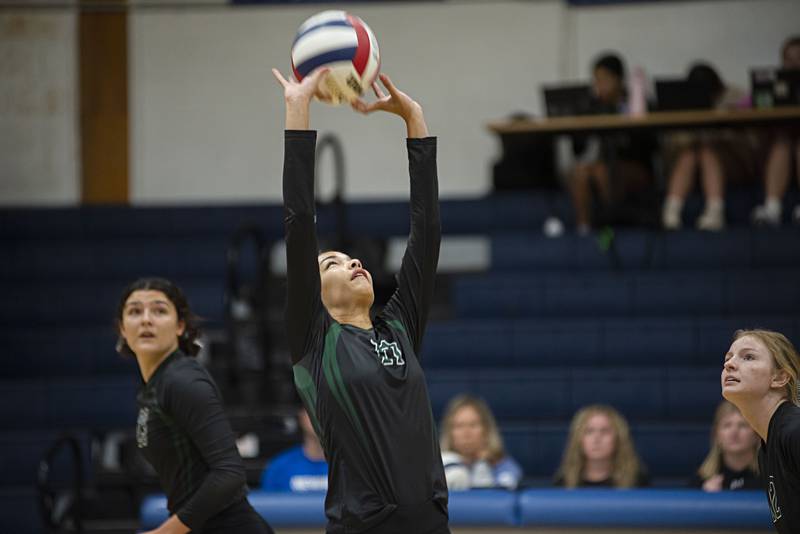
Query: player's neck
x,y
738,461
597,470
758,413
352,316
149,362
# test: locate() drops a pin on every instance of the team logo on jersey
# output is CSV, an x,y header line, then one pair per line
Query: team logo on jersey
x,y
141,427
389,353
773,501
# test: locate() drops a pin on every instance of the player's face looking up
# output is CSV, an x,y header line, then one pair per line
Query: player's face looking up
x,y
150,324
734,434
344,282
749,371
468,433
599,440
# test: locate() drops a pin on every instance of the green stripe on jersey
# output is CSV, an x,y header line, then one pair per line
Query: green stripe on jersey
x,y
333,376
397,324
305,386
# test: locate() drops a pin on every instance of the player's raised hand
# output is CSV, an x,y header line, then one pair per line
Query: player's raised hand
x,y
297,96
294,91
396,102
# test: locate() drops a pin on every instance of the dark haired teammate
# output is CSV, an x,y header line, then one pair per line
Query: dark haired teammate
x,y
361,378
182,429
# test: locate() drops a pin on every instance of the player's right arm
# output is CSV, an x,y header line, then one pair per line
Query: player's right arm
x,y
302,270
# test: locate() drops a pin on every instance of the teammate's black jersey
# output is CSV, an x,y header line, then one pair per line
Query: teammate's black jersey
x,y
183,432
364,389
779,463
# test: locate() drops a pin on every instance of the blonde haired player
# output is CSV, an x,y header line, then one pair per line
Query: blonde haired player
x,y
759,376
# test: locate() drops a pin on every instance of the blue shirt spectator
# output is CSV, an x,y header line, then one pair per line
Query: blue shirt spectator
x,y
292,470
300,468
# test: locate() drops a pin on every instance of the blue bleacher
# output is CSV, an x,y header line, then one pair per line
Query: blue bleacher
x,y
640,321
736,249
617,340
610,293
96,403
555,393
498,510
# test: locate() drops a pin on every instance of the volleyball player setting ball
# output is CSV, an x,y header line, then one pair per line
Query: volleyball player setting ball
x,y
361,378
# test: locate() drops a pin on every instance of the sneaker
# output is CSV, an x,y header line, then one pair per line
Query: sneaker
x,y
711,221
671,213
763,216
671,219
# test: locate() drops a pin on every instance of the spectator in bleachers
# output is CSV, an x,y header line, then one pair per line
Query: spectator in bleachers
x,y
732,462
472,448
718,156
760,377
300,468
182,429
785,145
600,452
630,173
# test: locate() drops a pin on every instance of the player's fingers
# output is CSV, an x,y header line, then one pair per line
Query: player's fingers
x,y
359,105
387,82
378,91
279,77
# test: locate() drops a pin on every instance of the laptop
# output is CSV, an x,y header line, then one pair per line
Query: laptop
x,y
681,95
773,87
568,100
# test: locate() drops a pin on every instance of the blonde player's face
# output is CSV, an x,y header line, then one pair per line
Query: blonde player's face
x,y
749,371
468,433
734,435
150,323
344,282
599,439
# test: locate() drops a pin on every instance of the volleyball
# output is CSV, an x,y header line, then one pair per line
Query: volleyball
x,y
345,44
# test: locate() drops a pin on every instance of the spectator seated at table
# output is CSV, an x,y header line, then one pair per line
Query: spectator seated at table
x,y
616,169
784,147
719,156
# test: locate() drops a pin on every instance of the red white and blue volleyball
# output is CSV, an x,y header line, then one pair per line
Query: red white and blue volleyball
x,y
345,44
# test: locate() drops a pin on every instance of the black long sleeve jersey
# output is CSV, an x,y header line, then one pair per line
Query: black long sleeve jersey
x,y
364,389
183,432
779,463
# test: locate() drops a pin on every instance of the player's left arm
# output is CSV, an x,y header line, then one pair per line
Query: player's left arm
x,y
195,405
411,301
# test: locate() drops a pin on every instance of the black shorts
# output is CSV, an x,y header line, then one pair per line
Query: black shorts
x,y
238,518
